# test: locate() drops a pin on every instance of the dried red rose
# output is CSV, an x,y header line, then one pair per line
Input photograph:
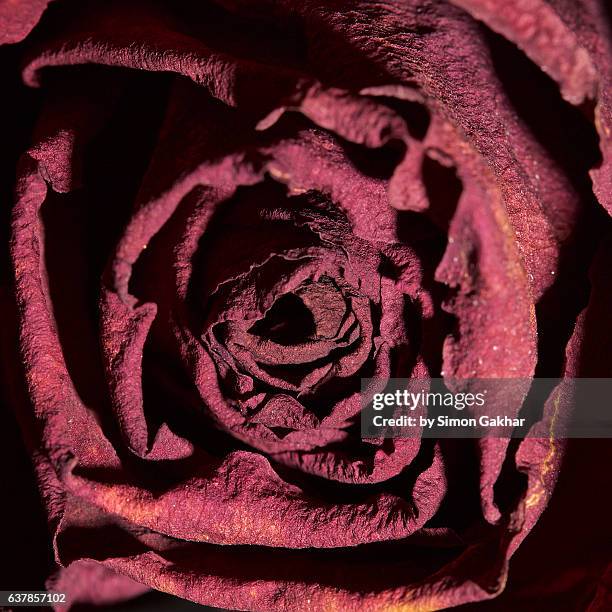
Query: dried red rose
x,y
228,215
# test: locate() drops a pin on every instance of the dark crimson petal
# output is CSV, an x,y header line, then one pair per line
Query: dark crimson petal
x,y
579,578
363,121
67,425
18,18
86,582
587,351
230,576
90,36
475,570
123,338
241,500
537,29
591,21
571,42
541,455
492,302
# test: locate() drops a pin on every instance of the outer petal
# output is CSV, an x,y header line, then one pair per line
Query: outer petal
x,y
18,17
537,29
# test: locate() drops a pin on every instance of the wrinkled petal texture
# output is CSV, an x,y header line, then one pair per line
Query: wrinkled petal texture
x,y
18,18
230,214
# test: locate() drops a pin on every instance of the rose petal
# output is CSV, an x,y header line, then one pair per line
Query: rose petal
x,y
18,18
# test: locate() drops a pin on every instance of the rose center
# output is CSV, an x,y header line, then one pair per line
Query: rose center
x,y
287,322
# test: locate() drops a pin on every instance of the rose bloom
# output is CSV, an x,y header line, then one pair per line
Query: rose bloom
x,y
220,217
